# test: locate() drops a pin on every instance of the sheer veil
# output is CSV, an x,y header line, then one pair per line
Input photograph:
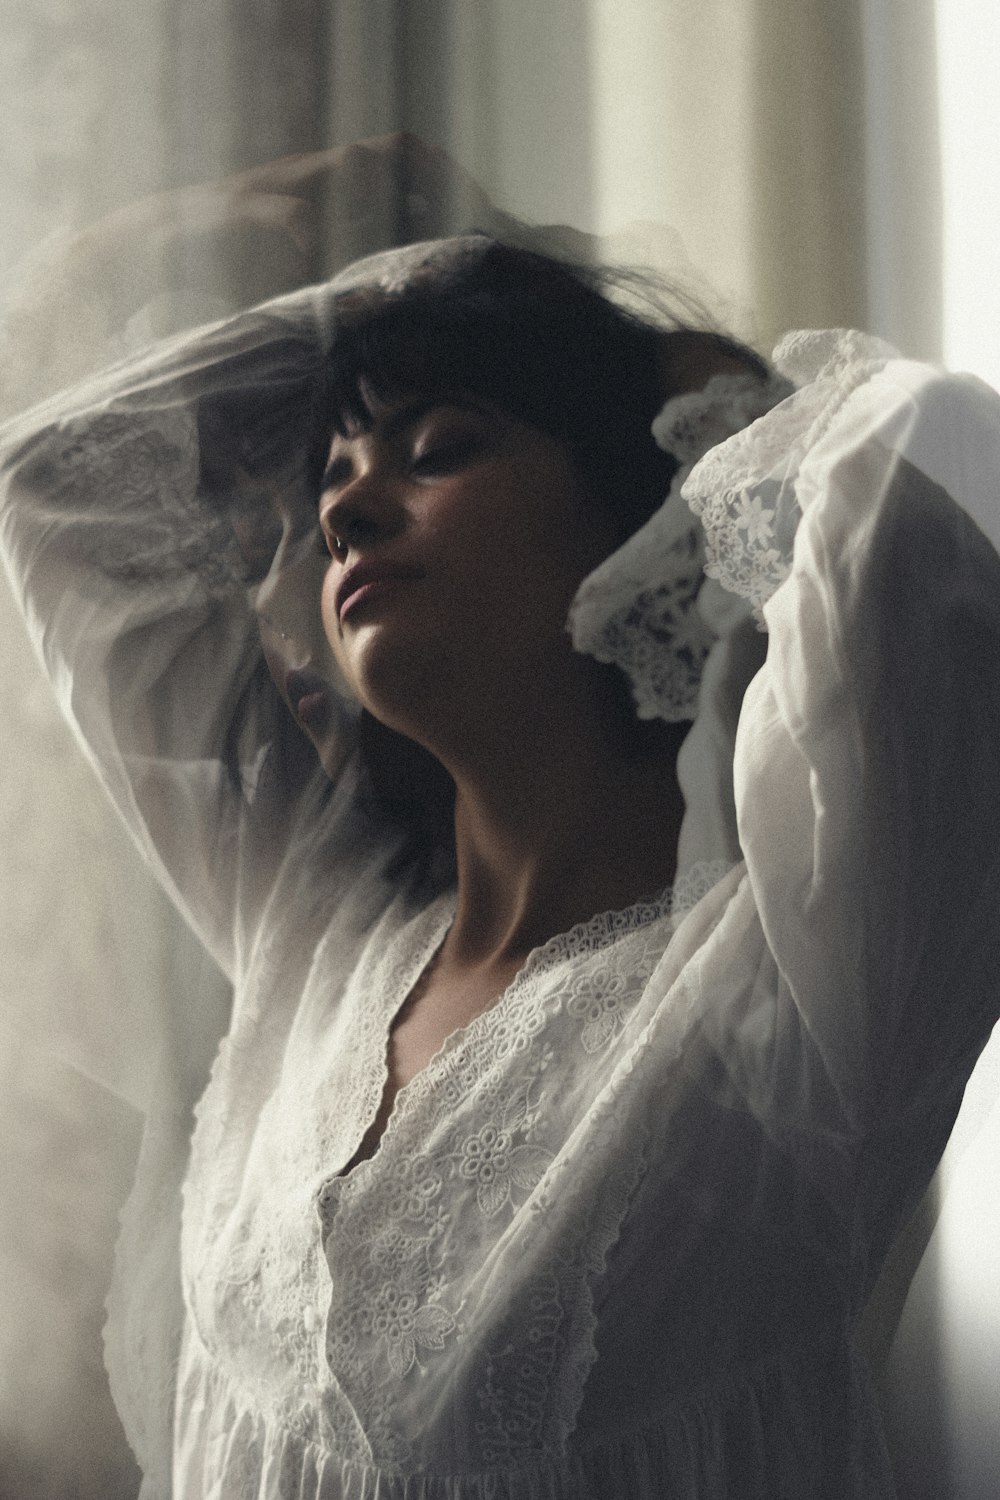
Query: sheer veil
x,y
104,398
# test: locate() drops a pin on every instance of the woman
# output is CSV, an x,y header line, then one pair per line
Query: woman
x,y
557,1137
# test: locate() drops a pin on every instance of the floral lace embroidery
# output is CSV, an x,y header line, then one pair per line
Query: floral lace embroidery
x,y
744,490
144,519
599,1005
695,883
689,425
502,1163
496,1165
640,610
469,1147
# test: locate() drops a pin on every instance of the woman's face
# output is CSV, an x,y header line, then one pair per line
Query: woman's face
x,y
458,536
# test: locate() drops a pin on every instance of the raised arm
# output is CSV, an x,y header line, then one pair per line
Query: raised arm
x,y
147,510
131,534
868,758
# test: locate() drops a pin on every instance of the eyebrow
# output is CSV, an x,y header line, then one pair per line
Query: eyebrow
x,y
392,424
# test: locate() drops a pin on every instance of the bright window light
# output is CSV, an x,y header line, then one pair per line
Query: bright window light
x,y
969,55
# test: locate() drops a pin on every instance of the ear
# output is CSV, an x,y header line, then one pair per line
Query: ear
x,y
687,358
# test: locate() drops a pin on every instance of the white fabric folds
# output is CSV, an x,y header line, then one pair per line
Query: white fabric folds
x,y
617,1235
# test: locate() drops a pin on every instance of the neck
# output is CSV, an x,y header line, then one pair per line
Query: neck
x,y
569,812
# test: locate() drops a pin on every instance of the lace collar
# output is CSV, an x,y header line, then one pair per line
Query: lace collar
x,y
674,901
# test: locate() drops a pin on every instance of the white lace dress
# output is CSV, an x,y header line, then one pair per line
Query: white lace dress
x,y
616,1236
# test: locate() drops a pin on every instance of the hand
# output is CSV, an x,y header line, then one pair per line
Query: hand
x,y
280,225
379,192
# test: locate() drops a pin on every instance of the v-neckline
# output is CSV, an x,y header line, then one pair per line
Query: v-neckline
x,y
437,919
602,927
427,930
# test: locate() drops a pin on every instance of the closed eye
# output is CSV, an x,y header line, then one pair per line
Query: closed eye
x,y
337,473
445,457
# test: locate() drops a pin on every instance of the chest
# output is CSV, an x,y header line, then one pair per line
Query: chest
x,y
462,1273
475,1089
442,1001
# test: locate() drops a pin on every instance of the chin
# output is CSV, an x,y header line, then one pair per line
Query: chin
x,y
395,686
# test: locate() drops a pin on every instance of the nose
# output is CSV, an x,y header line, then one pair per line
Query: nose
x,y
363,513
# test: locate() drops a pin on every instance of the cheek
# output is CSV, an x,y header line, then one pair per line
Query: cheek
x,y
287,605
275,660
535,555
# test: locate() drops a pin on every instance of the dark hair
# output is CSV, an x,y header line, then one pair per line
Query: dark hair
x,y
537,337
549,343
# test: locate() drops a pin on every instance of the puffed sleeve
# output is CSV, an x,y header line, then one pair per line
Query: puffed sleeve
x,y
127,505
862,517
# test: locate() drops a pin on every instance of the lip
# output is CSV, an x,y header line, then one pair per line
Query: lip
x,y
309,695
365,579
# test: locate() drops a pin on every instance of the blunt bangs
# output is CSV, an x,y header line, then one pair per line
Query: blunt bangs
x,y
528,334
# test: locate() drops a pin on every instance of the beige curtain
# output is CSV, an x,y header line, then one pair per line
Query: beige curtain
x,y
733,130
777,159
103,102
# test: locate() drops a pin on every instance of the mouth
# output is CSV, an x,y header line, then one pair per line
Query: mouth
x,y
309,695
368,581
